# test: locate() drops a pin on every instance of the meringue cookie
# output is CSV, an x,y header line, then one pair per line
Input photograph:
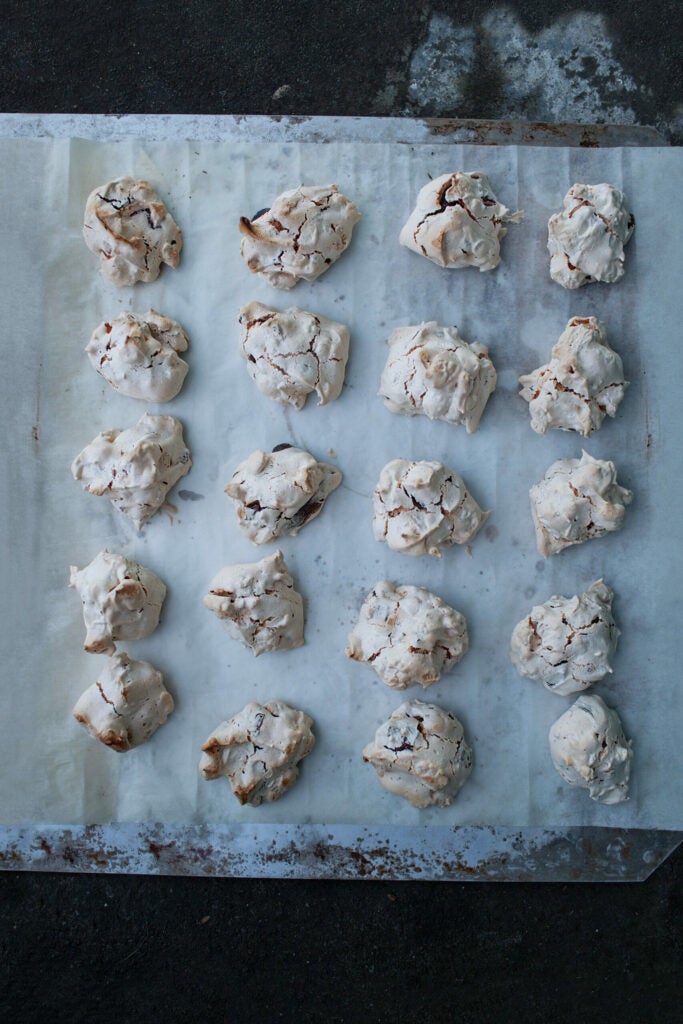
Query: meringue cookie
x,y
458,222
121,600
259,750
567,643
577,500
302,234
589,749
290,353
586,238
431,370
422,507
128,226
421,754
138,355
277,494
135,468
409,636
126,705
259,605
582,383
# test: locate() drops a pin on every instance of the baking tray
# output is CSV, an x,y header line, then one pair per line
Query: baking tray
x,y
346,851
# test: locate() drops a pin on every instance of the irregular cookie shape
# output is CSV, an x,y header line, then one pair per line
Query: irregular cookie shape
x,y
259,605
135,468
422,507
577,500
259,750
589,749
128,226
290,353
303,233
126,705
458,222
421,754
586,239
582,383
138,355
408,635
121,600
277,494
431,370
567,643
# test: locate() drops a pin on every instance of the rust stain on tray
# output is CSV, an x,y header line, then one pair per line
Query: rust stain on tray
x,y
301,852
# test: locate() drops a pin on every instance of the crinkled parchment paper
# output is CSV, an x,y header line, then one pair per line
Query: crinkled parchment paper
x,y
54,403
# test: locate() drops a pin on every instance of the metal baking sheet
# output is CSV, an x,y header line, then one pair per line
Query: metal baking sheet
x,y
81,786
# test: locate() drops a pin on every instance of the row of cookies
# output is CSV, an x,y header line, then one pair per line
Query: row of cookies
x,y
134,235
430,370
457,222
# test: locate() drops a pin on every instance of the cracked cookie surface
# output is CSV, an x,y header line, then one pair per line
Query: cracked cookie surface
x,y
420,754
432,371
121,600
303,233
567,642
582,383
135,468
128,226
126,705
290,353
276,494
421,507
259,750
137,353
408,635
586,238
258,604
577,500
458,222
589,749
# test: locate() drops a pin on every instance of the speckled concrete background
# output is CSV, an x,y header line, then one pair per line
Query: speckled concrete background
x,y
590,61
85,948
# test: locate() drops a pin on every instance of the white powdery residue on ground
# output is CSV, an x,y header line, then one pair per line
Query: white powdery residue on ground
x,y
565,72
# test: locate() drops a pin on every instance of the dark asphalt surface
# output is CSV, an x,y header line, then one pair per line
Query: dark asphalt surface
x,y
87,948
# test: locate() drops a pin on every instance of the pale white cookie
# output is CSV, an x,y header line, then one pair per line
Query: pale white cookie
x,y
589,749
567,643
121,600
258,604
259,750
135,468
582,383
276,494
137,353
302,234
586,238
421,507
290,353
128,226
431,370
577,500
408,635
421,754
458,222
126,705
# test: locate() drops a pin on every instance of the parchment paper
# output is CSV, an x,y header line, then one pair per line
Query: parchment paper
x,y
54,403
